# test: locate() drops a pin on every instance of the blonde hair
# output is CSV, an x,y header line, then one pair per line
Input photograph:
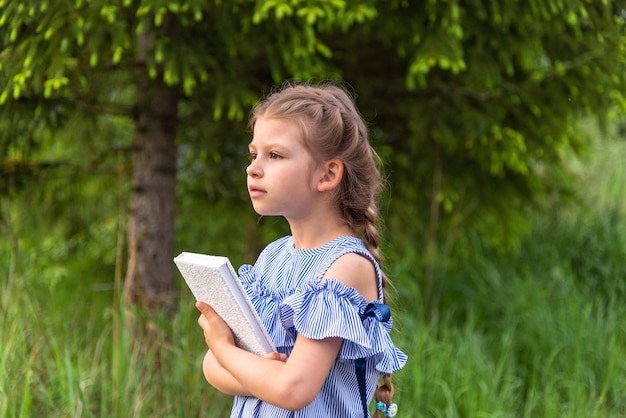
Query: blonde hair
x,y
333,128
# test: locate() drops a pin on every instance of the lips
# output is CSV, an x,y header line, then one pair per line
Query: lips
x,y
255,191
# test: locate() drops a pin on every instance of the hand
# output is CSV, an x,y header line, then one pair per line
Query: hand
x,y
216,332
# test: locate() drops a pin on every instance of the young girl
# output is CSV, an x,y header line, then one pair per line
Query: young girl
x,y
311,162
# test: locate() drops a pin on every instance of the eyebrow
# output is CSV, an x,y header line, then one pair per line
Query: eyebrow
x,y
269,146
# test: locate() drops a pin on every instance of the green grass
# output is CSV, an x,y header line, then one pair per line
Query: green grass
x,y
63,356
536,333
526,349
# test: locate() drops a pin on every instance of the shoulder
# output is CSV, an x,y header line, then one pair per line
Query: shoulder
x,y
356,271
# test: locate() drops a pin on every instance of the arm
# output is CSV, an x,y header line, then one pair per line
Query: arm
x,y
290,384
220,378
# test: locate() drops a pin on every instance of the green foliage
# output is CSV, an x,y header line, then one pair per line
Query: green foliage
x,y
474,105
492,93
517,334
530,332
52,50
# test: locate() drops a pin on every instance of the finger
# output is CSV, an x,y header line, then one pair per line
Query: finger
x,y
276,356
203,307
203,321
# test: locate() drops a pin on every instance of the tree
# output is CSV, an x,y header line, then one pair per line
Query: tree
x,y
139,59
474,103
476,106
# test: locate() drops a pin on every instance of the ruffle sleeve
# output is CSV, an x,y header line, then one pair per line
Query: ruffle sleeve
x,y
265,302
331,309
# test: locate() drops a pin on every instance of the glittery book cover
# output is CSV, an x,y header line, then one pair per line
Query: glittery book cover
x,y
213,280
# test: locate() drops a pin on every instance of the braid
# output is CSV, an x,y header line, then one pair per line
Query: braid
x,y
372,240
384,392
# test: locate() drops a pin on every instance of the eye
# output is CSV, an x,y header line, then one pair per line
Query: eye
x,y
252,156
274,156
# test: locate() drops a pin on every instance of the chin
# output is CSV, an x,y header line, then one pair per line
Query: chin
x,y
260,210
265,212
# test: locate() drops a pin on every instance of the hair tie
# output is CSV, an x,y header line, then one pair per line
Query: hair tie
x,y
389,411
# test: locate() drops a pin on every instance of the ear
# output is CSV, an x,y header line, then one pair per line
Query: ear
x,y
331,175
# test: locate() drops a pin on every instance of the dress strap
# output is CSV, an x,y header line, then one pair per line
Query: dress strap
x,y
381,313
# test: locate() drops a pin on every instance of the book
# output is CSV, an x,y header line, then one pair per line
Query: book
x,y
213,280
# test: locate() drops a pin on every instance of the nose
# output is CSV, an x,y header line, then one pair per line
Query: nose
x,y
253,169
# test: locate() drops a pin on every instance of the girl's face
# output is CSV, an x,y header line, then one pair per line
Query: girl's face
x,y
282,174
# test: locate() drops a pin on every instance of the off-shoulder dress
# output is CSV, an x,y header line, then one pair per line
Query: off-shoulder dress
x,y
286,288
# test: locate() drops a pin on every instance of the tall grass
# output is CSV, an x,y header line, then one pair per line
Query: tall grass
x,y
537,333
65,356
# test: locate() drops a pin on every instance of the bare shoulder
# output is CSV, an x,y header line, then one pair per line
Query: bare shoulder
x,y
354,270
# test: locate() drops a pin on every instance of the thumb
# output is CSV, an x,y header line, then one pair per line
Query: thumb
x,y
203,307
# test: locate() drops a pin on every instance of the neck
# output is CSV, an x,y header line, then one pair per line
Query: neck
x,y
309,234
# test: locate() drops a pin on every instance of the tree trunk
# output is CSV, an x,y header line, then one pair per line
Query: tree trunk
x,y
150,276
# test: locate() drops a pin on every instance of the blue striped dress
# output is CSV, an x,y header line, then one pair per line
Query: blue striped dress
x,y
286,290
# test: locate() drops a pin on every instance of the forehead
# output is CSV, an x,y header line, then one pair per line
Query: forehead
x,y
277,130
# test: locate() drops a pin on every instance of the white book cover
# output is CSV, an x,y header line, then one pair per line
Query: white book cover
x,y
213,280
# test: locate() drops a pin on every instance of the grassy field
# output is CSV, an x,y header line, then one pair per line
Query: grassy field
x,y
535,333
